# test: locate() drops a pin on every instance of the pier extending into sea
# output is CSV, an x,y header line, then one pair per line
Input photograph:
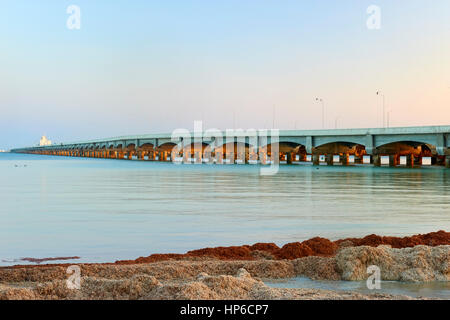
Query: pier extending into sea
x,y
403,146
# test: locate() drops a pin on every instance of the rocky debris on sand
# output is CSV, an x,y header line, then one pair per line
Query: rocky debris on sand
x,y
206,287
164,270
317,268
420,263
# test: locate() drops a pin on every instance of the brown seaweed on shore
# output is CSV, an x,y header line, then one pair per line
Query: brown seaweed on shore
x,y
432,239
317,246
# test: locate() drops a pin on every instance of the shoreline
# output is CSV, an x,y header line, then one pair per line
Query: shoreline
x,y
237,272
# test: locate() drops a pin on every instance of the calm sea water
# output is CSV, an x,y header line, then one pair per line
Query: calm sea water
x,y
104,210
436,289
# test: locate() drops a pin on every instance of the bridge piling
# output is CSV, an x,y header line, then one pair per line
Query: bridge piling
x,y
344,159
377,160
410,160
316,159
289,158
392,160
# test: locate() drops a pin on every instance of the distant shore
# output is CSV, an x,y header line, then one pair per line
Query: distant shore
x,y
236,272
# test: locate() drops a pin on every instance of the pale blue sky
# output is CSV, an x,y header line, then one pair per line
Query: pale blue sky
x,y
139,67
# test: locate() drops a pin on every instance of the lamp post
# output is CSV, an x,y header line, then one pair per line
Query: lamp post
x,y
273,117
388,117
234,119
336,122
384,107
323,111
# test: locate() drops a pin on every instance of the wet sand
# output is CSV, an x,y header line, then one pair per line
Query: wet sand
x,y
237,272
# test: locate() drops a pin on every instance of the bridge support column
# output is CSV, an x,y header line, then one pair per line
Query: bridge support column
x,y
198,158
219,157
416,161
289,158
377,160
392,160
447,161
344,159
275,156
316,159
410,160
329,159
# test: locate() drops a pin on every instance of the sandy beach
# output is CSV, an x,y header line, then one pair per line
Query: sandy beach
x,y
240,272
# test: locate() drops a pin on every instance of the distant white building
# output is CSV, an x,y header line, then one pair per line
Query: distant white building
x,y
45,142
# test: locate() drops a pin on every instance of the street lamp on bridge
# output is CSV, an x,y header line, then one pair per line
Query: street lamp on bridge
x,y
379,93
323,111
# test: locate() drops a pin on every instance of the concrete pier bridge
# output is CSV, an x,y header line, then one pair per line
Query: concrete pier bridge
x,y
407,146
